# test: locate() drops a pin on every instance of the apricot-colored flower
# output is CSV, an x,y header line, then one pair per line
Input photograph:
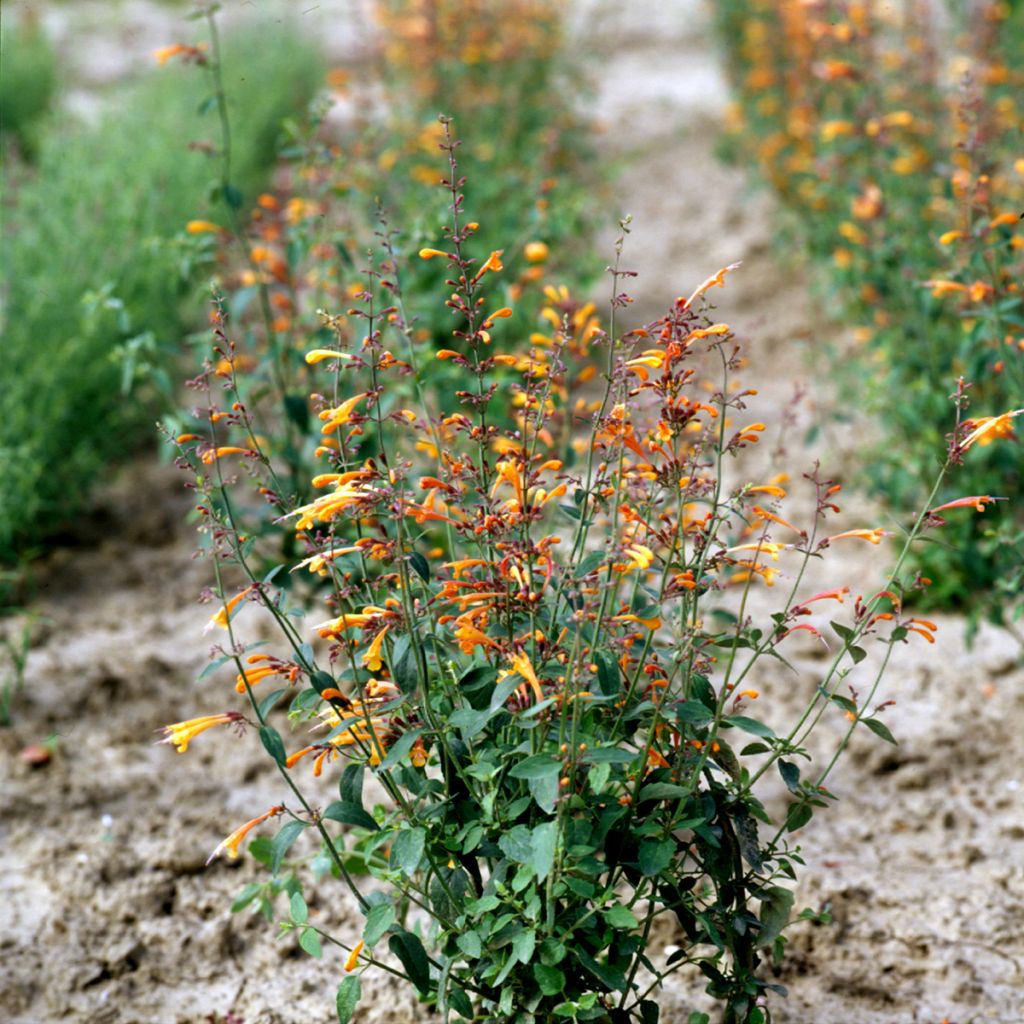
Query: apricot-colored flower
x,y
492,263
181,733
429,254
353,958
716,279
199,227
231,843
224,613
987,429
871,536
212,454
975,501
522,666
371,656
340,415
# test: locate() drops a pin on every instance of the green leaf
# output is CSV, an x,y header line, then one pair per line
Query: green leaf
x,y
419,563
694,712
798,815
523,946
858,654
470,944
751,725
408,948
542,853
380,918
404,669
663,791
268,702
655,855
539,766
880,729
611,977
459,1002
233,197
350,785
608,676
245,897
516,845
310,942
776,905
407,850
550,979
288,833
298,908
845,632
790,775
350,814
619,916
592,561
545,792
609,755
273,743
348,996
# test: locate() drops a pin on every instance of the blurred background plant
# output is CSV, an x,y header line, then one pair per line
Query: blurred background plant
x,y
29,65
356,167
98,289
892,135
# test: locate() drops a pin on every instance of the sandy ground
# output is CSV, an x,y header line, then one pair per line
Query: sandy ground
x,y
109,913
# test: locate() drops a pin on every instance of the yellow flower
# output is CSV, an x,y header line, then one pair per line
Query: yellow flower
x,y
522,666
224,614
371,656
989,428
342,414
429,254
180,733
320,354
199,227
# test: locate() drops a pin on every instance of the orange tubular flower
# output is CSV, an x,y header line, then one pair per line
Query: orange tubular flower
x,y
231,843
975,501
522,666
871,536
180,733
715,279
224,614
353,958
371,656
771,517
212,454
342,414
988,428
493,263
429,254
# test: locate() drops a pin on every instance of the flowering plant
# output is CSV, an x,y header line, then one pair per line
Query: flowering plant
x,y
893,133
542,639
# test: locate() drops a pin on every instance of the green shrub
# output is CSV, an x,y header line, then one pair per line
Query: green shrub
x,y
96,274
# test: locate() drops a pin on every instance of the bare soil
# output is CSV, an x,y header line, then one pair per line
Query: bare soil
x,y
110,914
